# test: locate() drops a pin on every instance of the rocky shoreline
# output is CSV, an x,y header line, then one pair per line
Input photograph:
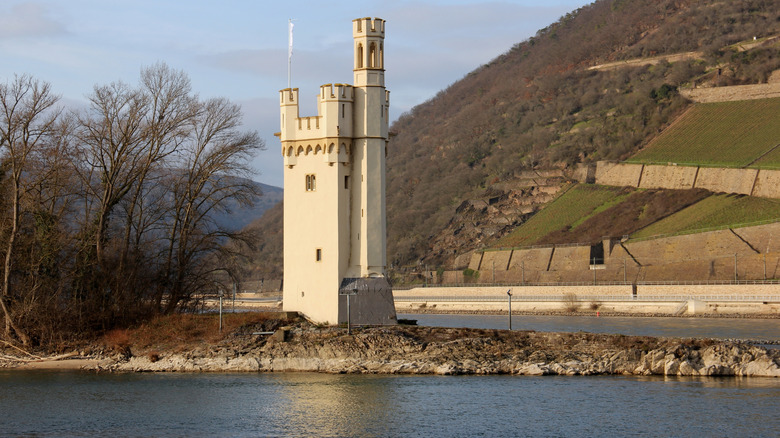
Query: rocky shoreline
x,y
441,351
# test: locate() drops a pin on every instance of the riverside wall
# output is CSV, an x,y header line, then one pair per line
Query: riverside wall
x,y
748,253
764,183
641,299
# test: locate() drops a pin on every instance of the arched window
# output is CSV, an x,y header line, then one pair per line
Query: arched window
x,y
359,56
372,56
300,150
308,150
290,151
311,182
317,150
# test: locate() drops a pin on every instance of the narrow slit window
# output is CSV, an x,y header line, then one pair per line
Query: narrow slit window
x,y
311,182
318,254
346,181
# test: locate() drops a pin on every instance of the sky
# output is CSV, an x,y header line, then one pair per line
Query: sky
x,y
238,48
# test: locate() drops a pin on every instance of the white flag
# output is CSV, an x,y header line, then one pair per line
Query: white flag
x,y
290,40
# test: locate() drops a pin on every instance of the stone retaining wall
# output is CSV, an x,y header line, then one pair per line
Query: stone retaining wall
x,y
668,177
764,183
732,93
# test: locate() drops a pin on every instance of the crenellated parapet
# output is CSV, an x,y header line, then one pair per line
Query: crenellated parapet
x,y
327,134
369,26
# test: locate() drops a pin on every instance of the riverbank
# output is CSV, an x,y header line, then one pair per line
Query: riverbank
x,y
273,344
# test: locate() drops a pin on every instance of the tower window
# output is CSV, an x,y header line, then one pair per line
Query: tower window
x,y
346,181
311,182
372,56
342,110
318,255
360,56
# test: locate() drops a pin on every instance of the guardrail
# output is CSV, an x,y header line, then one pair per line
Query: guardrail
x,y
591,283
599,298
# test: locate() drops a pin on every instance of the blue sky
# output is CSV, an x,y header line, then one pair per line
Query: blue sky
x,y
238,48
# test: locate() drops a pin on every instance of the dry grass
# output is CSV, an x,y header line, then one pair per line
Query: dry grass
x,y
182,331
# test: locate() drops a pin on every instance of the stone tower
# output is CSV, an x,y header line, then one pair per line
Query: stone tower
x,y
334,193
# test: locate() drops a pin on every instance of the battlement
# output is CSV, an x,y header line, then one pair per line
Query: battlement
x,y
368,26
337,92
288,96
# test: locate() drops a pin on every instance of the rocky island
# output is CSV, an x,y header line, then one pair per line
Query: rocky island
x,y
273,344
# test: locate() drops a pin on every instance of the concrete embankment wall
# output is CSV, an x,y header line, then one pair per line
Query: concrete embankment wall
x,y
754,182
639,299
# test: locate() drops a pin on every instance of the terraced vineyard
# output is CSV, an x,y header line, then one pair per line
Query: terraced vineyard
x,y
573,206
716,211
728,134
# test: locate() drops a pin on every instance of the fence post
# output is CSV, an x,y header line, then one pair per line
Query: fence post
x,y
522,266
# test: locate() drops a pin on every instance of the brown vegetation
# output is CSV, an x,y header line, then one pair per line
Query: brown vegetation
x,y
107,214
538,106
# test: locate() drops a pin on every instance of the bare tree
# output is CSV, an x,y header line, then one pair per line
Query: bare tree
x,y
170,109
212,165
27,117
111,136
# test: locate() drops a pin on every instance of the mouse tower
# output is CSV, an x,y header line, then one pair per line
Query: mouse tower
x,y
335,240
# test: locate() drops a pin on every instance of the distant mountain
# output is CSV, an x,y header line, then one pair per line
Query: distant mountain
x,y
238,217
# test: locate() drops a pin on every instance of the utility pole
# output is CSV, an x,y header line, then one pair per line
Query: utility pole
x,y
509,295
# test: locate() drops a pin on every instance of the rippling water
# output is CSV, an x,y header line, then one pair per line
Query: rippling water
x,y
722,328
38,403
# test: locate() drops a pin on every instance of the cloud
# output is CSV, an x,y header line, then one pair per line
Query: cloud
x,y
28,20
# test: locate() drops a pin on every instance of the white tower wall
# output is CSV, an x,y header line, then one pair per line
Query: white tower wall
x,y
334,202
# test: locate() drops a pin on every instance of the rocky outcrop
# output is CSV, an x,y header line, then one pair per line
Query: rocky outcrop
x,y
424,350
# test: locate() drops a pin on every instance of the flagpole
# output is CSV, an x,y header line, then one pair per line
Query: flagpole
x,y
289,51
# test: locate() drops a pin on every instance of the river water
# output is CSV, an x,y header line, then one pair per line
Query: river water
x,y
48,403
69,403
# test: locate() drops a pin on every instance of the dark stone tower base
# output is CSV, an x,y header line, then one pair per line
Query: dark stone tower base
x,y
370,301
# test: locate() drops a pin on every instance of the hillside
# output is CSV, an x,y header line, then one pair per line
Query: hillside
x,y
729,134
458,167
539,107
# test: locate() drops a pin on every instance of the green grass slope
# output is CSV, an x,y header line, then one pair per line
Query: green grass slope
x,y
716,211
729,134
587,213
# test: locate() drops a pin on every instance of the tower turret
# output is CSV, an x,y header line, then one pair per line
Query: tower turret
x,y
369,36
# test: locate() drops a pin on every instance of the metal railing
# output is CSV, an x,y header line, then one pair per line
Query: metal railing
x,y
589,283
595,298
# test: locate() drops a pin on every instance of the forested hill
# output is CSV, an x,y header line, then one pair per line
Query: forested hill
x,y
539,106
